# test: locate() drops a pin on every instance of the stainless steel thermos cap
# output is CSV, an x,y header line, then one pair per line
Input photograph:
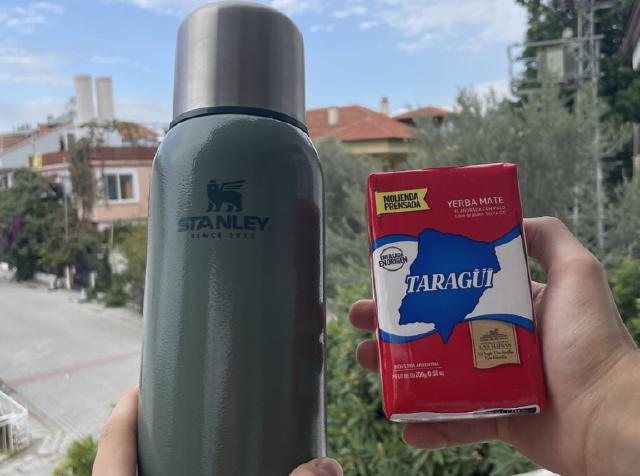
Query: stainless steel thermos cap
x,y
239,54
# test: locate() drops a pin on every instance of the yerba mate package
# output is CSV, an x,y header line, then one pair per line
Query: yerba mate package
x,y
457,334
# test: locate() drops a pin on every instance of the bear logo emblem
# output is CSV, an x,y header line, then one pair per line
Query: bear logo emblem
x,y
227,192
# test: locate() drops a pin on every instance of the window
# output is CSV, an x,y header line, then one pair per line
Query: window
x,y
121,186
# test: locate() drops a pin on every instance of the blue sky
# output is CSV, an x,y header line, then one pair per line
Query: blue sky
x,y
415,52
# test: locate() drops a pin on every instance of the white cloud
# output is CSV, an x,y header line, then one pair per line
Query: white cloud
x,y
12,53
418,24
167,7
49,79
350,10
182,7
295,7
366,25
117,60
13,114
99,59
500,87
321,28
467,24
22,65
142,111
27,18
418,43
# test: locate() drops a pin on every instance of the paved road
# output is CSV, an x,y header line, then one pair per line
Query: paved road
x,y
67,361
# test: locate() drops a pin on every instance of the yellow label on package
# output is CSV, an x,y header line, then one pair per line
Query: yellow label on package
x,y
401,201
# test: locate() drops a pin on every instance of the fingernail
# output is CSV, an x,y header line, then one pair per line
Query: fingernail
x,y
330,467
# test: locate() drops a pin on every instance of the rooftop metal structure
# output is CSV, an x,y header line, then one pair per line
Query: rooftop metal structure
x,y
568,61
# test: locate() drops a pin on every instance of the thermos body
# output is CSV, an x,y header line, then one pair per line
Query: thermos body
x,y
232,377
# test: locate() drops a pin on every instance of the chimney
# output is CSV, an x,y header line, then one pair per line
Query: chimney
x,y
333,116
384,106
104,96
84,98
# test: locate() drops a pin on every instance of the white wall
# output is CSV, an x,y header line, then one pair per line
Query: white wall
x,y
18,155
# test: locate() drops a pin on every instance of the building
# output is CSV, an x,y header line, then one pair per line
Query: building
x,y
436,115
386,140
122,176
58,133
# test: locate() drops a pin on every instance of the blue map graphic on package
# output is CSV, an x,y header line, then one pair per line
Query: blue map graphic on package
x,y
447,279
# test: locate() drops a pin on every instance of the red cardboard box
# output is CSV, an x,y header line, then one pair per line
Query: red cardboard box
x,y
457,334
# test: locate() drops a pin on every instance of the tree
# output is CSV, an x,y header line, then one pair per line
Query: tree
x,y
623,234
82,178
345,176
26,210
79,459
619,85
80,249
134,247
32,229
552,145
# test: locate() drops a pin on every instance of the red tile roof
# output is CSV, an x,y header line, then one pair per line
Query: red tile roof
x,y
422,112
102,154
133,131
356,123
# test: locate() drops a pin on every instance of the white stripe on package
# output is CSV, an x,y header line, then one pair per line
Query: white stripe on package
x,y
509,294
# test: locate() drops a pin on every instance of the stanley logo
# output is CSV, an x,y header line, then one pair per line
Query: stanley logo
x,y
402,201
228,192
224,212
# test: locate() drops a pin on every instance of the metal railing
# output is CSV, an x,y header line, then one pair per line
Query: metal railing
x,y
14,426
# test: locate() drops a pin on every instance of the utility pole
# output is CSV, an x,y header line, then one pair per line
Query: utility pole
x,y
66,191
585,49
588,63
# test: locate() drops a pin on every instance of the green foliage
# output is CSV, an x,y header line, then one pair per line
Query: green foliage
x,y
32,229
625,284
134,247
552,145
104,273
79,459
81,250
366,443
29,212
618,84
115,295
554,149
82,178
623,232
345,176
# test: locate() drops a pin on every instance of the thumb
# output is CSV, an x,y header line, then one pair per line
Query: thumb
x,y
318,467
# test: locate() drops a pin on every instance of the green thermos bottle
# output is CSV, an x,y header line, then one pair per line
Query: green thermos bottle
x,y
232,378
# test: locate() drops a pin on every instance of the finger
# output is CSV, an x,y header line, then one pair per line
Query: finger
x,y
363,314
536,289
319,467
551,243
440,435
367,355
117,447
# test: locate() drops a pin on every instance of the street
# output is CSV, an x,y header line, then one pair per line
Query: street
x,y
67,362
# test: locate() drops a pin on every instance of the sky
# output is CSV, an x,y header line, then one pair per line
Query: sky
x,y
415,52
